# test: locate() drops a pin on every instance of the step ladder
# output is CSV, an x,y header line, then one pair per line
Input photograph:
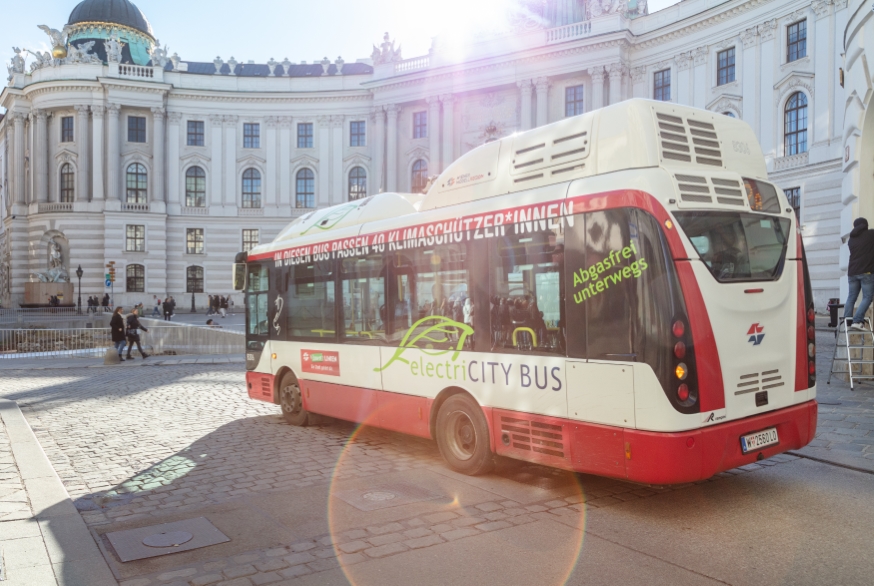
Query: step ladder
x,y
844,342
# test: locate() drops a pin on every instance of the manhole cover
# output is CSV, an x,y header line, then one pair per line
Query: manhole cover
x,y
379,496
158,540
383,497
168,539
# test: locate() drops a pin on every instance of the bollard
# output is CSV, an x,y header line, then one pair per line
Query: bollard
x,y
111,357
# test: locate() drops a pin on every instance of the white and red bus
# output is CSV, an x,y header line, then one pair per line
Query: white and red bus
x,y
620,293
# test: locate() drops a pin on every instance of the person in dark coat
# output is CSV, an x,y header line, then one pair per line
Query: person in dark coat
x,y
860,273
119,338
133,334
167,309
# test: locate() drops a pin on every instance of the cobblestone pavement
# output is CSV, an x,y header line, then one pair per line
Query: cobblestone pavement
x,y
14,504
143,447
845,430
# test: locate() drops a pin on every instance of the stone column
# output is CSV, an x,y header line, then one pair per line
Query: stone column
x,y
434,133
113,154
97,156
270,149
750,38
173,142
286,124
230,162
542,89
448,157
82,191
597,74
391,183
525,103
214,179
699,77
338,195
323,193
18,190
377,116
158,193
615,71
40,157
770,51
684,80
638,81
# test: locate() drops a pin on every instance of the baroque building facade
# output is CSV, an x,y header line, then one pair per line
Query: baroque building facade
x,y
121,152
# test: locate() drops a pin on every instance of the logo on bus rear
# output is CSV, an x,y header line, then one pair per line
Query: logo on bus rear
x,y
756,334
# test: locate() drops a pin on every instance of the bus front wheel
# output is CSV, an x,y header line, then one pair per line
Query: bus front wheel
x,y
463,436
291,401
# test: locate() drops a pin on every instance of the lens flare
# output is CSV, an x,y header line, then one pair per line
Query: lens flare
x,y
374,461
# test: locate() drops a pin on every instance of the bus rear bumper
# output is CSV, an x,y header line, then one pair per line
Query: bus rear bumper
x,y
674,458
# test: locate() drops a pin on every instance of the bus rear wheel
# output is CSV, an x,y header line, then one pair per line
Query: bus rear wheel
x,y
463,436
291,401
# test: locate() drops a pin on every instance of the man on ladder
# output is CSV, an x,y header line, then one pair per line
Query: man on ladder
x,y
860,273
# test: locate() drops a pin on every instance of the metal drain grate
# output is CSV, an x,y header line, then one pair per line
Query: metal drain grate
x,y
158,540
383,497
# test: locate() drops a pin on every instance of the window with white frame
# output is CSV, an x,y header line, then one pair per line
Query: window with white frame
x,y
420,176
137,183
305,192
573,100
135,238
194,240
725,66
136,278
194,280
68,183
661,89
251,136
195,133
357,183
251,188
795,124
357,133
796,41
420,124
195,187
251,238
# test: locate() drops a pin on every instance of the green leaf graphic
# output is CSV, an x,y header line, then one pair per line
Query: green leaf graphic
x,y
439,332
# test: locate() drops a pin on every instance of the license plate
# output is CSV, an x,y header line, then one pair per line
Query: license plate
x,y
758,440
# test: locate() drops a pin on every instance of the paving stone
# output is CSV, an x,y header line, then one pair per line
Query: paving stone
x,y
488,507
236,582
354,534
421,542
239,571
536,508
493,526
167,576
271,565
246,558
418,532
323,565
440,517
303,546
295,571
206,580
442,528
459,533
385,550
300,558
381,529
387,538
266,578
141,582
354,546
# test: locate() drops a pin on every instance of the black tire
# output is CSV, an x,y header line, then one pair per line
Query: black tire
x,y
291,401
463,436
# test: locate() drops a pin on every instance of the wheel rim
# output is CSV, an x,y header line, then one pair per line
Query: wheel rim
x,y
461,436
290,400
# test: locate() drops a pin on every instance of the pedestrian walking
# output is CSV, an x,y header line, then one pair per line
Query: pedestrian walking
x,y
133,334
117,326
172,307
860,273
156,312
223,306
106,302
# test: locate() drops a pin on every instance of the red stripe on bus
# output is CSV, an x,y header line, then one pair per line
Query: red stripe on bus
x,y
580,204
710,387
393,411
802,377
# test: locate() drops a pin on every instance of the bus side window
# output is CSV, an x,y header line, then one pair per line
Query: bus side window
x,y
310,301
432,291
362,286
527,287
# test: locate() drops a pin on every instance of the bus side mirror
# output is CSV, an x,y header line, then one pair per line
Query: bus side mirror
x,y
239,277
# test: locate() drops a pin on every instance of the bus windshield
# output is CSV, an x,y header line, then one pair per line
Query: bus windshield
x,y
738,246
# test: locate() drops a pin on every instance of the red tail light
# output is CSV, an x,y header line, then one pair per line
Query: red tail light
x,y
811,333
683,392
680,350
678,329
811,315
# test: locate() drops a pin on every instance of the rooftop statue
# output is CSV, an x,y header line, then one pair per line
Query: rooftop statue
x,y
386,52
59,40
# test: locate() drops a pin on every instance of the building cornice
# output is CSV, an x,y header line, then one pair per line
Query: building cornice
x,y
272,98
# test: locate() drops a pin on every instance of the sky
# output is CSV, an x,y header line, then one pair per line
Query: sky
x,y
200,30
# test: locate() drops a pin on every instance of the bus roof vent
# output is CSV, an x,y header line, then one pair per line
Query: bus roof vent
x,y
694,189
688,140
729,192
551,150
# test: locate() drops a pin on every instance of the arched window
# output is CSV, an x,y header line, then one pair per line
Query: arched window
x,y
194,280
251,188
357,183
137,184
68,183
420,176
195,188
306,189
795,124
136,278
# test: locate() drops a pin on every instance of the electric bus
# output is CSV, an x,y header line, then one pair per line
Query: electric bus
x,y
621,293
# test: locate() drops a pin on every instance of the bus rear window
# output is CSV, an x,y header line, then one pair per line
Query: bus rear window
x,y
738,246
